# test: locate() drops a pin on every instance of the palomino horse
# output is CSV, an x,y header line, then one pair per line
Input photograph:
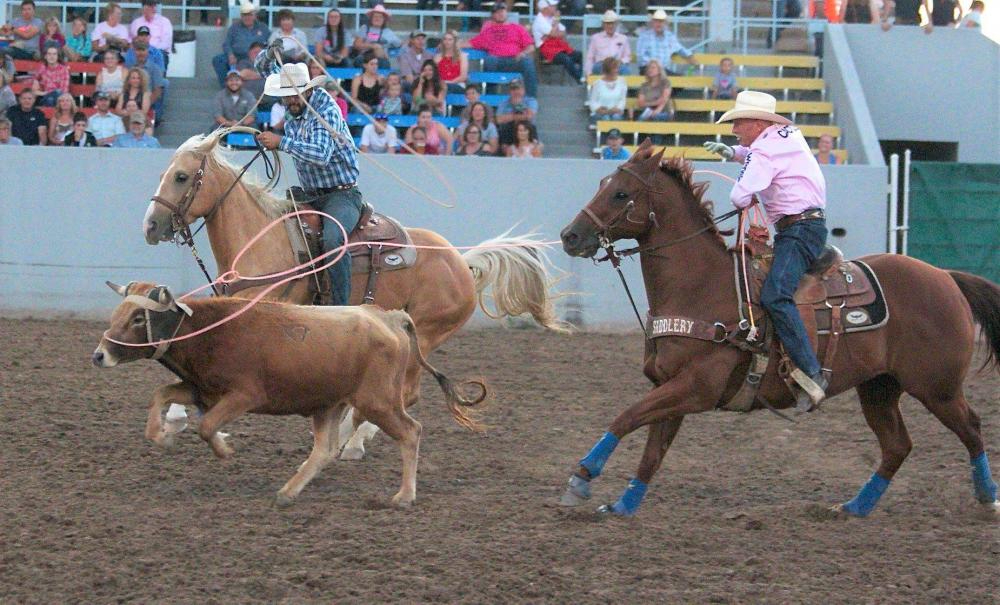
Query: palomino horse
x,y
439,292
925,348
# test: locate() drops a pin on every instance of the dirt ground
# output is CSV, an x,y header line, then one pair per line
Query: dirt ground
x,y
92,513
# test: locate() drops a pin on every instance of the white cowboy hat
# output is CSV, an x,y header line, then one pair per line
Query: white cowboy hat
x,y
660,15
609,16
756,106
379,9
291,80
247,7
546,4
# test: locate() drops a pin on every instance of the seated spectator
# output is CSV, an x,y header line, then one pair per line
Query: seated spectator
x,y
136,89
436,136
724,85
80,136
375,37
392,103
472,142
508,47
136,137
515,108
239,38
291,38
104,124
471,98
479,116
61,121
608,43
318,71
379,136
7,96
428,89
657,43
157,82
156,55
51,36
550,39
157,27
412,58
233,102
416,140
130,108
861,11
614,150
654,102
252,80
452,63
333,44
526,143
78,46
26,29
366,87
27,121
906,12
607,95
974,18
110,33
111,78
946,13
5,137
51,79
824,150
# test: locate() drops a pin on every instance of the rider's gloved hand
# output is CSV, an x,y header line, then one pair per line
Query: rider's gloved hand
x,y
720,149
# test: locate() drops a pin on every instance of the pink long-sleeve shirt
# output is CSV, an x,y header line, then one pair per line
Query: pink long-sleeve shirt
x,y
780,168
603,46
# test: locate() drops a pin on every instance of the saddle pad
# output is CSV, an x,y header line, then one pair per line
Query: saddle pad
x,y
869,316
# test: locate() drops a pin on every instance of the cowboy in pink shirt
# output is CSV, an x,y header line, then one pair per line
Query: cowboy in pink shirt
x,y
779,168
607,43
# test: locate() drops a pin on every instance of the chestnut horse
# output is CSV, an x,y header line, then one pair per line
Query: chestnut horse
x,y
925,348
439,292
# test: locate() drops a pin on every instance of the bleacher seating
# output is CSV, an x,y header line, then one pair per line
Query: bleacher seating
x,y
457,100
701,129
696,152
784,85
492,77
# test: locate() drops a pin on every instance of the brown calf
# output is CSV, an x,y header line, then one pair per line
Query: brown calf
x,y
279,359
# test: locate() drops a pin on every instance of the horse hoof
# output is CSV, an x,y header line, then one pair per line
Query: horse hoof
x,y
352,453
577,492
283,501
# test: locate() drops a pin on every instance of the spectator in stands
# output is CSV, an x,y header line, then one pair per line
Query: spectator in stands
x,y
657,43
136,137
607,95
428,89
550,39
907,12
654,102
416,140
158,27
111,33
252,80
946,13
239,38
479,117
366,87
232,103
452,63
130,108
7,97
136,89
526,143
51,79
471,98
861,11
472,142
508,47
104,124
51,36
111,78
375,37
974,18
291,38
333,43
411,59
27,121
724,85
824,150
438,138
79,136
156,55
614,150
61,121
26,30
608,43
157,82
515,108
392,103
379,136
78,46
318,71
5,137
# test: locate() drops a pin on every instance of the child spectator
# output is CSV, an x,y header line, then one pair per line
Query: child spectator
x,y
367,86
111,78
974,18
80,136
27,122
61,121
471,98
136,89
291,37
428,89
332,43
136,138
452,63
607,95
436,136
392,103
654,95
379,136
724,86
824,153
479,116
78,46
52,78
104,124
51,36
526,143
5,137
111,33
391,80
472,142
614,150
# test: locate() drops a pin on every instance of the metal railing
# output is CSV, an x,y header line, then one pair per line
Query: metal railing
x,y
71,8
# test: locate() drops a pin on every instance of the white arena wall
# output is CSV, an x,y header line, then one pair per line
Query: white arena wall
x,y
71,219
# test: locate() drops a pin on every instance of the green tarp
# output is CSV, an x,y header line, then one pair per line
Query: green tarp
x,y
955,216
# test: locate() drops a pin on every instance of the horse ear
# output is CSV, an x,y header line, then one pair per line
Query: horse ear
x,y
119,290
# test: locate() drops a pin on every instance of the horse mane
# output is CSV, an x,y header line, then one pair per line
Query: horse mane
x,y
220,158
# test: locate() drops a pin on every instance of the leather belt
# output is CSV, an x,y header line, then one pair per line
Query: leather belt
x,y
326,190
787,221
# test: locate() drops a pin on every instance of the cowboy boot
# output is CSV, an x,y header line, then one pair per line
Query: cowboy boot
x,y
812,390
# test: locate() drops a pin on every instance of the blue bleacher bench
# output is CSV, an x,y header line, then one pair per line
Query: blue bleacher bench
x,y
493,77
457,100
347,73
241,139
399,121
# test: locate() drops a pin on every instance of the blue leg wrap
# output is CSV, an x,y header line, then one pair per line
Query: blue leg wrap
x,y
868,497
631,499
594,461
982,480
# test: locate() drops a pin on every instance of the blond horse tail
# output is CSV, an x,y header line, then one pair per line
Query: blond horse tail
x,y
517,269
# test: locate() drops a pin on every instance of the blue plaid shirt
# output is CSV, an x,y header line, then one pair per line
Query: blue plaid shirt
x,y
661,48
321,159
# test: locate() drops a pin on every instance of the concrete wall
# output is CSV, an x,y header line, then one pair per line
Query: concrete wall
x,y
845,91
72,219
942,87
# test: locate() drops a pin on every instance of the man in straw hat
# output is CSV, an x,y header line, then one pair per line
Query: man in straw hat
x,y
657,43
240,36
608,43
326,162
779,168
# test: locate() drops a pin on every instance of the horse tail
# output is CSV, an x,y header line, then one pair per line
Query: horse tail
x,y
518,270
453,398
984,298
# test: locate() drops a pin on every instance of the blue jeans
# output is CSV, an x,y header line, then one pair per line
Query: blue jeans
x,y
623,70
571,62
220,63
525,66
795,249
345,206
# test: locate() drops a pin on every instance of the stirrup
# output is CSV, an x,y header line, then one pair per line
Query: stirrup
x,y
811,393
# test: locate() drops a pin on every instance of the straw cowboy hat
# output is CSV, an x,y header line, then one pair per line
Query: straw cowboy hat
x,y
247,7
291,80
379,9
609,16
756,106
659,15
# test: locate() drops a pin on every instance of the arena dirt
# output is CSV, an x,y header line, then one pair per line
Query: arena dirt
x,y
92,513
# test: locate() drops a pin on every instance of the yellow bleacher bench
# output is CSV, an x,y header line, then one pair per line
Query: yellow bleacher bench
x,y
699,153
752,83
677,129
716,107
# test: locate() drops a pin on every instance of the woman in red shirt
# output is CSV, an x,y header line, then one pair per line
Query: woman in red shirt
x,y
52,78
452,63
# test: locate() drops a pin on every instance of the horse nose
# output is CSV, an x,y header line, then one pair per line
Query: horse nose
x,y
569,237
150,227
97,358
